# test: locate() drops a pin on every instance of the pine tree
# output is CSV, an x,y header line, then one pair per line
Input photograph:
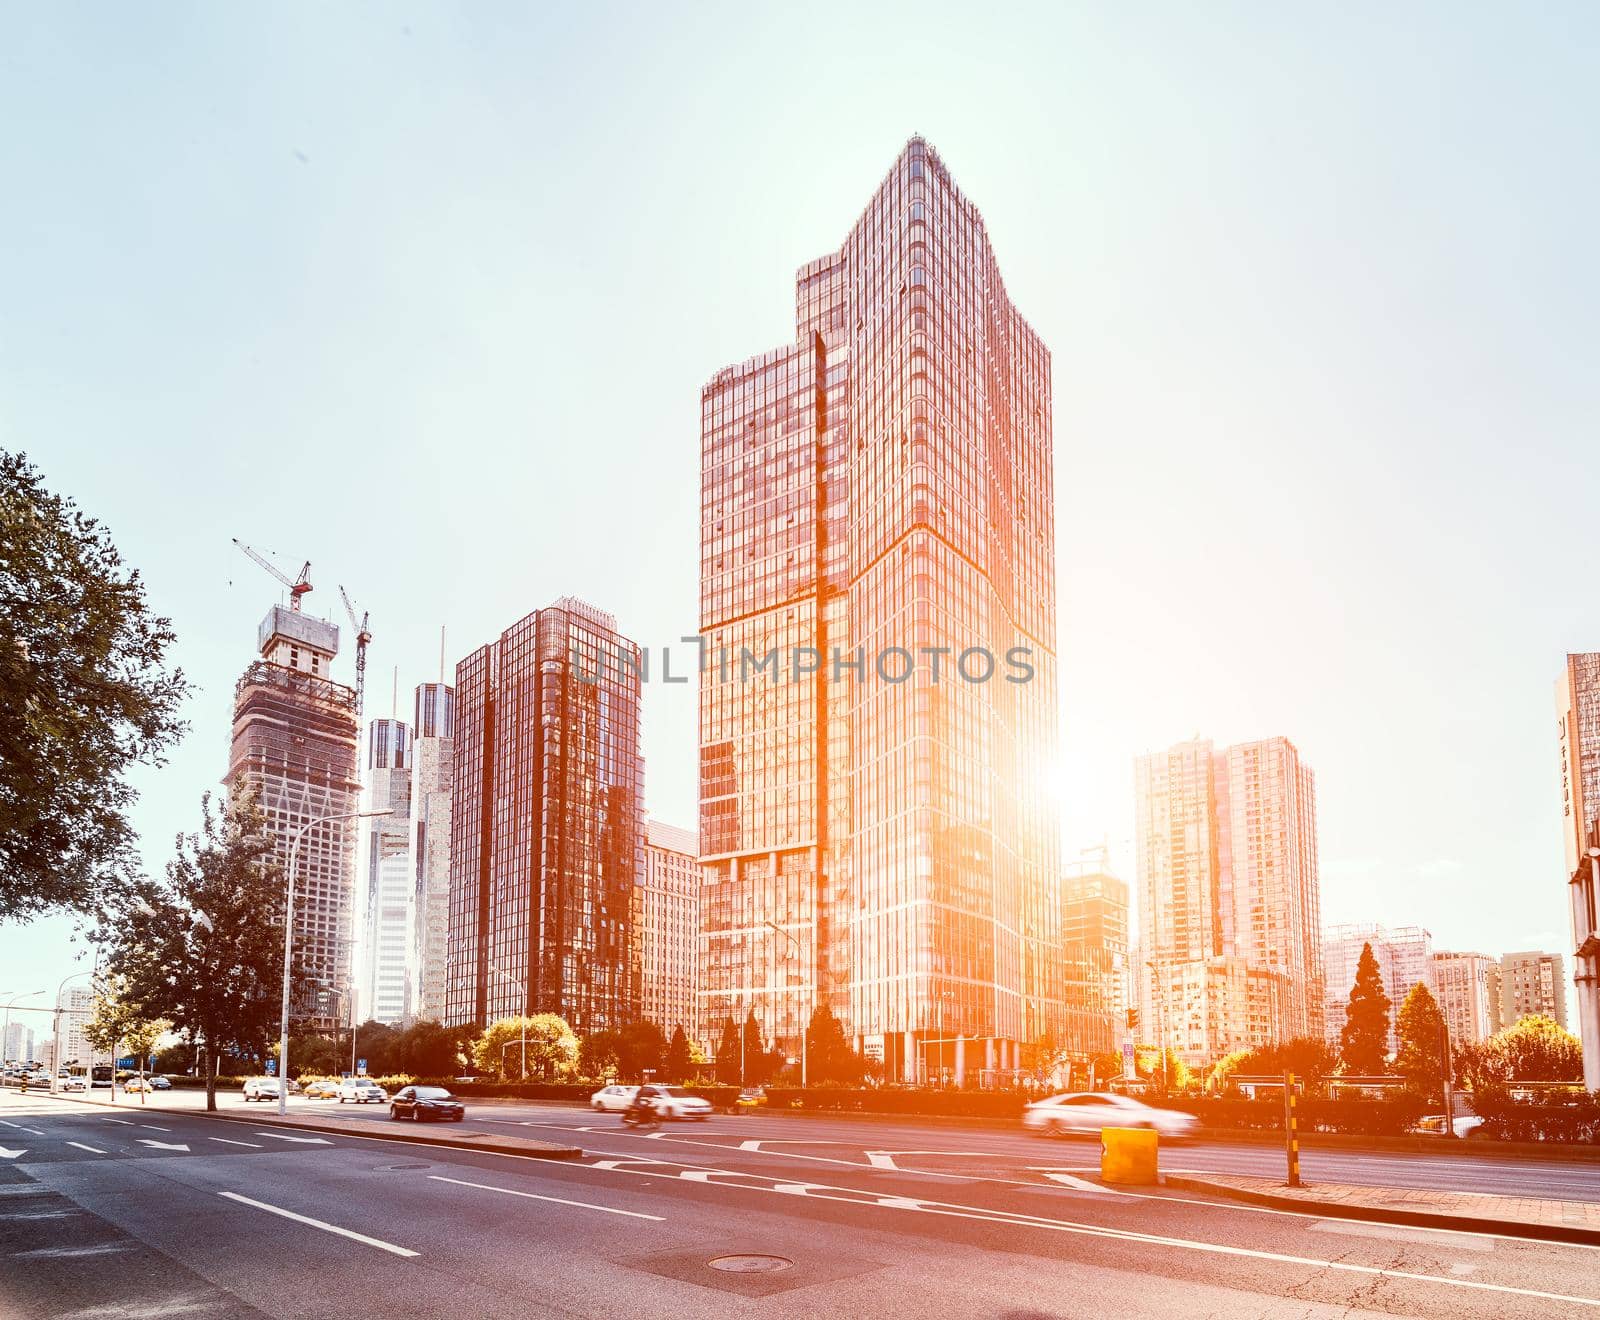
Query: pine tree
x,y
1364,1039
755,1055
833,1059
680,1059
1420,1028
728,1053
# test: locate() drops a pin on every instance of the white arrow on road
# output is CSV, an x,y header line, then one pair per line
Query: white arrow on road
x,y
305,1141
162,1145
11,1154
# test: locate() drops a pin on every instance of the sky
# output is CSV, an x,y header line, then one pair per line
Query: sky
x,y
425,294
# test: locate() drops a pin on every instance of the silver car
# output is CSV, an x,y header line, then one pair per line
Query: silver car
x,y
361,1090
1090,1111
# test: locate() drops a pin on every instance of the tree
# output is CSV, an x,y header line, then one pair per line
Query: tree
x,y
1421,1031
1309,1058
1045,1056
597,1054
680,1058
551,1048
1538,1049
203,946
832,1060
728,1069
427,1049
1175,1075
759,1066
1364,1039
85,695
120,1023
641,1048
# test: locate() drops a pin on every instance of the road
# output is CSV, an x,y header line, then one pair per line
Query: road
x,y
116,1212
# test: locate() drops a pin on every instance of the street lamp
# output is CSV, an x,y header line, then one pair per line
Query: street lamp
x,y
805,1032
288,941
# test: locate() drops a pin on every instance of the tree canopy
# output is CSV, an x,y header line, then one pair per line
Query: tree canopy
x,y
1421,1031
85,695
1364,1039
551,1050
832,1060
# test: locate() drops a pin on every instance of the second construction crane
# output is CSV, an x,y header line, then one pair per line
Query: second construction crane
x,y
363,636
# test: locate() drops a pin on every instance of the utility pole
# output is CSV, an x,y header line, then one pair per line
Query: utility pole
x,y
1291,1130
1449,1068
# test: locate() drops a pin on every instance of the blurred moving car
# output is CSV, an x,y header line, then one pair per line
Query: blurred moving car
x,y
361,1090
325,1089
675,1102
1090,1111
424,1102
612,1099
752,1097
261,1088
1466,1126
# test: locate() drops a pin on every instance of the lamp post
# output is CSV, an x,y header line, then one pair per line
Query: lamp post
x,y
288,941
804,1022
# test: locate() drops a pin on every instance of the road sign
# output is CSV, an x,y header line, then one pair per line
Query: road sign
x,y
361,1067
272,1067
1130,1070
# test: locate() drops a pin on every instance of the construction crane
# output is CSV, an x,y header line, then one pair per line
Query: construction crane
x,y
362,638
297,586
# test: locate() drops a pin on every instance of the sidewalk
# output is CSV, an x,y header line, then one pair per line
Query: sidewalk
x,y
1481,1212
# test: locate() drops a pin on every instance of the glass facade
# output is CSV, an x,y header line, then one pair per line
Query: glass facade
x,y
432,774
385,988
546,822
877,830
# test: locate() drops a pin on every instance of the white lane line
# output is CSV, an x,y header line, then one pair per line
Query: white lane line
x,y
125,1122
304,1141
881,1159
153,1128
582,1205
20,1128
93,1150
163,1145
254,1145
318,1223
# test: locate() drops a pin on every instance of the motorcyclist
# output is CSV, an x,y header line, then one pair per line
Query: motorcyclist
x,y
642,1108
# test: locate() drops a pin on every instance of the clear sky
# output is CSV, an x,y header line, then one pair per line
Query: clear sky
x,y
426,294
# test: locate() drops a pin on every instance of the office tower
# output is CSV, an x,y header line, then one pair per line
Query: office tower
x,y
877,517
432,772
74,1010
1578,707
1094,938
1533,983
1467,986
17,1047
1230,903
546,822
387,881
295,746
666,927
1404,955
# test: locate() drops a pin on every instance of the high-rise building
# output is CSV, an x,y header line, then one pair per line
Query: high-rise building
x,y
546,822
1532,983
1230,901
1094,940
295,746
1468,989
17,1045
1578,708
1404,955
666,927
878,695
75,1009
432,773
387,881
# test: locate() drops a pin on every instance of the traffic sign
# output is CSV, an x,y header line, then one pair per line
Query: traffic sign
x,y
272,1067
361,1067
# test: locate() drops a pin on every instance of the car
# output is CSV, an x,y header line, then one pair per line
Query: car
x,y
326,1089
421,1103
676,1102
157,1082
1090,1111
1465,1125
75,1084
752,1097
261,1088
361,1090
137,1084
612,1099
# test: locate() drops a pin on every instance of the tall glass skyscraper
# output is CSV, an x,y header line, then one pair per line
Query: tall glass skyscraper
x,y
432,774
877,497
546,822
386,993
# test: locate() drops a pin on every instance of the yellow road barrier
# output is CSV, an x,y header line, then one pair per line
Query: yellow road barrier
x,y
1129,1155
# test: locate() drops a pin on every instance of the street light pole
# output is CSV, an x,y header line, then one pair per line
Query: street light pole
x,y
288,942
804,1023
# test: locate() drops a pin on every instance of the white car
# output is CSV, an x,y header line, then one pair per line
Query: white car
x,y
1090,1111
360,1090
261,1088
612,1099
75,1084
676,1102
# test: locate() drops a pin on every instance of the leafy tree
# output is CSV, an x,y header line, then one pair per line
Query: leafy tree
x,y
597,1054
376,1042
1309,1058
427,1049
1421,1031
317,1055
85,695
760,1066
728,1061
1538,1049
1106,1066
552,1049
203,946
680,1058
641,1048
1175,1076
1044,1057
1364,1039
1222,1071
832,1060
119,1024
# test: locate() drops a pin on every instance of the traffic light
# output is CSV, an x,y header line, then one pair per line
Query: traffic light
x,y
1133,1019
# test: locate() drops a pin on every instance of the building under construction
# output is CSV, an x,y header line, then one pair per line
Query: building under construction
x,y
295,738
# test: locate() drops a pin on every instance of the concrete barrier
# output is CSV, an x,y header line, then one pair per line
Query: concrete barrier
x,y
1130,1156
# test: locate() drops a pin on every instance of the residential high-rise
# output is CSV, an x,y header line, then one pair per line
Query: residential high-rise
x,y
432,773
1094,941
1532,982
1230,901
546,822
1578,707
74,1010
387,881
1404,955
1468,989
17,1045
295,746
878,536
666,927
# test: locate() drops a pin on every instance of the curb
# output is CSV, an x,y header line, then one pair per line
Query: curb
x,y
1382,1215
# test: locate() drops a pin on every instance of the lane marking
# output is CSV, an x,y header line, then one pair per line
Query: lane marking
x,y
93,1150
318,1223
7,1154
304,1141
20,1128
1397,1233
1077,1184
879,1159
153,1128
582,1205
162,1145
125,1122
254,1145
68,1253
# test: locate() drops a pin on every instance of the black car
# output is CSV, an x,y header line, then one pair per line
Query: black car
x,y
424,1102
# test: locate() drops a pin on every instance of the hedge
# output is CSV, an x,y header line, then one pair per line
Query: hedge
x,y
1392,1116
898,1100
1506,1119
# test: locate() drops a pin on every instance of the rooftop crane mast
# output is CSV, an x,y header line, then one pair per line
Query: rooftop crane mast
x,y
363,636
297,586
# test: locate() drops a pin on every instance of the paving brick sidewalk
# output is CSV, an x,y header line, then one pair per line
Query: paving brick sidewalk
x,y
1517,1216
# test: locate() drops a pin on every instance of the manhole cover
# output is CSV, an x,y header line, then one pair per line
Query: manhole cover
x,y
384,1168
749,1264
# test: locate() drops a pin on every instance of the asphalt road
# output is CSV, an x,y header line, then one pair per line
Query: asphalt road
x,y
121,1213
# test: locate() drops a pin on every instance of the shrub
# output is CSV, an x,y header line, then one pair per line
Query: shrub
x,y
894,1100
1390,1117
1574,1118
